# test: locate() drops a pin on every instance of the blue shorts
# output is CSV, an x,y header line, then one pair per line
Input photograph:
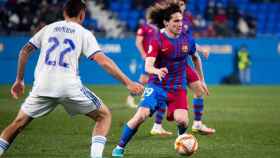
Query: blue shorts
x,y
154,98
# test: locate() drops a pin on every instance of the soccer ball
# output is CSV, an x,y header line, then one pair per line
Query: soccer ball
x,y
186,144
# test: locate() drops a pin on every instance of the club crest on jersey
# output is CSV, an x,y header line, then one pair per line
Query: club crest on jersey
x,y
185,48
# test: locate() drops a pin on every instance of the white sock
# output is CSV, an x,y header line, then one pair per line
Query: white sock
x,y
119,147
4,145
97,146
1,152
157,126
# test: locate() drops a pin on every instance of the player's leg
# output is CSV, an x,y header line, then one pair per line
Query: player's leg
x,y
33,107
12,130
152,95
83,101
198,109
198,102
102,118
178,110
181,119
157,128
130,129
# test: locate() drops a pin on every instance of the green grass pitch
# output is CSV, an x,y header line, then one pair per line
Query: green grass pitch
x,y
247,121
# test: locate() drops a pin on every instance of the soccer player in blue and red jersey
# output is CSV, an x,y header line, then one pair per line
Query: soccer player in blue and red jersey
x,y
143,36
195,77
166,63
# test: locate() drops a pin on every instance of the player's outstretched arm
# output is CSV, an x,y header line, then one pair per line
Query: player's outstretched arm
x,y
18,87
139,45
110,66
150,68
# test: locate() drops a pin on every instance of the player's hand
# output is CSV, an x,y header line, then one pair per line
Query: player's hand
x,y
161,73
135,88
17,89
205,88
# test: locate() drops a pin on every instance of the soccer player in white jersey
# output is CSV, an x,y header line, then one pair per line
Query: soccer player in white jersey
x,y
57,79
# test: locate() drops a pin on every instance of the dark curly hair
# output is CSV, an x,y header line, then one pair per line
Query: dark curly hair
x,y
157,14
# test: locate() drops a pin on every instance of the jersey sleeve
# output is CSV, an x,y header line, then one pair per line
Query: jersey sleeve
x,y
90,45
36,40
140,31
153,48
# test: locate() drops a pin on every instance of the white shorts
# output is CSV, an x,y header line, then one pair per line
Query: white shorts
x,y
80,101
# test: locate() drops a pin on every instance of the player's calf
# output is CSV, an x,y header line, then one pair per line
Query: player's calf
x,y
101,129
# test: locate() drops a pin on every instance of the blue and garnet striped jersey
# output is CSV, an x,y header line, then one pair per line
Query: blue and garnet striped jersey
x,y
171,53
147,31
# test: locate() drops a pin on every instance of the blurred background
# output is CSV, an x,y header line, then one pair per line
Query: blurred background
x,y
243,37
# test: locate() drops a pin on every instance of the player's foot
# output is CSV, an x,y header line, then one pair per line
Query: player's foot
x,y
160,131
117,152
203,129
130,102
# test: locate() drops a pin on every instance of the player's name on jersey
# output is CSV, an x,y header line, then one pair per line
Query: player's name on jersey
x,y
64,29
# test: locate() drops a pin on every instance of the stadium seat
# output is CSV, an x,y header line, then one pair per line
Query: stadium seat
x,y
115,6
123,15
132,24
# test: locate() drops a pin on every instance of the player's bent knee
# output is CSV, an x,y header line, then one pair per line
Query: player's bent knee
x,y
197,89
141,115
103,113
181,121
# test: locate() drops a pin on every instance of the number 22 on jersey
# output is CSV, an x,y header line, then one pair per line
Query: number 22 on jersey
x,y
54,42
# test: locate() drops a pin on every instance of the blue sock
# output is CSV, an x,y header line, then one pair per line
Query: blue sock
x,y
181,129
159,115
127,134
4,145
198,108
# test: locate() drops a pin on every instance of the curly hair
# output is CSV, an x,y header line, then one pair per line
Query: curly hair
x,y
157,14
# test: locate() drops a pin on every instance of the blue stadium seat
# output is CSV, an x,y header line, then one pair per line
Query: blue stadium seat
x,y
242,6
126,6
272,7
123,15
132,24
262,8
278,28
134,14
252,9
115,6
269,28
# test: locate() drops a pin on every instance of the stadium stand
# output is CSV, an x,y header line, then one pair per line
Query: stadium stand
x,y
119,18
